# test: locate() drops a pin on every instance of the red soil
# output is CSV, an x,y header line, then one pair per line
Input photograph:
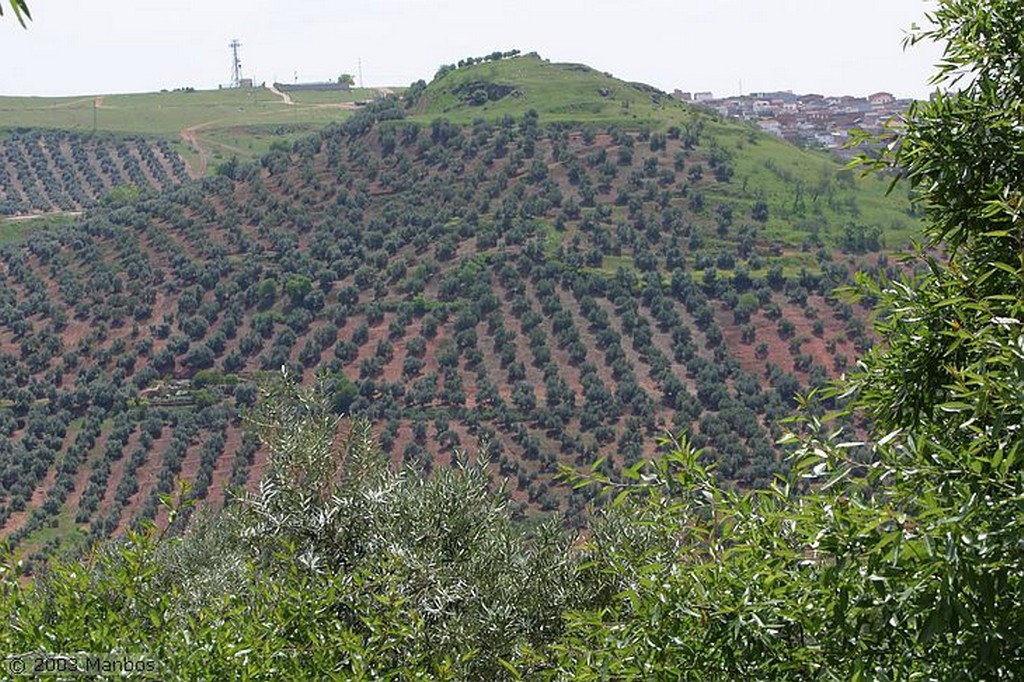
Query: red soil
x,y
146,475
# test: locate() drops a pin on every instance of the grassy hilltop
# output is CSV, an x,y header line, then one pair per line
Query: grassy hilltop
x,y
573,93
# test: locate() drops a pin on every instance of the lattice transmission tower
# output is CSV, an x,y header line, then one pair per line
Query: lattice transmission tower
x,y
236,64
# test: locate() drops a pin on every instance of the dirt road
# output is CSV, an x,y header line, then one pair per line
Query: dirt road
x,y
285,98
190,138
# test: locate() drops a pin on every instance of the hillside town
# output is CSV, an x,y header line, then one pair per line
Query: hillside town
x,y
815,121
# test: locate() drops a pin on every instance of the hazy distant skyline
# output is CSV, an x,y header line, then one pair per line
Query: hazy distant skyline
x,y
824,46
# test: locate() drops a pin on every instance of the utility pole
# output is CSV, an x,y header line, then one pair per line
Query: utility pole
x,y
360,72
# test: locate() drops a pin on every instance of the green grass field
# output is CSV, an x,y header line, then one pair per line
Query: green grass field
x,y
15,229
163,113
807,188
334,97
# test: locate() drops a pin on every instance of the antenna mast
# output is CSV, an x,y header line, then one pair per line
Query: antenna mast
x,y
236,64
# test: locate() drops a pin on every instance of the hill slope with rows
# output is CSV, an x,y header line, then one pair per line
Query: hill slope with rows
x,y
47,171
542,293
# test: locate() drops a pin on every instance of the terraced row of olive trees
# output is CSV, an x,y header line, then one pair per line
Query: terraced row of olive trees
x,y
44,171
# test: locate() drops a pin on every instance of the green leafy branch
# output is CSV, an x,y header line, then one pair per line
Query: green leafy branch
x,y
21,11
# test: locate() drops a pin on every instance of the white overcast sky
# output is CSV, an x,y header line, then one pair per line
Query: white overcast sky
x,y
823,46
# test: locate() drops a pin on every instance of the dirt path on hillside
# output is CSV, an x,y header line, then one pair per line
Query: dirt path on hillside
x,y
283,95
192,139
69,105
230,148
190,135
32,216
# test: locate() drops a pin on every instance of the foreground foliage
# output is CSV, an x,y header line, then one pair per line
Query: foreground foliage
x,y
20,8
902,565
342,567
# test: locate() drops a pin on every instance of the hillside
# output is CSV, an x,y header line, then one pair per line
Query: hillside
x,y
758,166
61,155
542,291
